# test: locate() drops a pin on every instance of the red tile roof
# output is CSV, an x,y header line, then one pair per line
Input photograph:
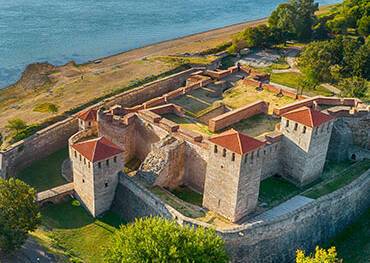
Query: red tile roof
x,y
88,115
236,142
97,149
308,116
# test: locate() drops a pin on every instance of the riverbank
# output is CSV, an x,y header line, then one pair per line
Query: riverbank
x,y
66,87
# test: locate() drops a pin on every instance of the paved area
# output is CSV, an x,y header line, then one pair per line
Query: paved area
x,y
31,252
282,209
54,192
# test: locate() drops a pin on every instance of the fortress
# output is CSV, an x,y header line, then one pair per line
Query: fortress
x,y
226,168
221,135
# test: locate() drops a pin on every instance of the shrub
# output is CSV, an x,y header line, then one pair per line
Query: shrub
x,y
159,240
321,256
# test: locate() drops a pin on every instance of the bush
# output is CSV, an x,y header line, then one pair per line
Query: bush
x,y
46,107
321,256
160,240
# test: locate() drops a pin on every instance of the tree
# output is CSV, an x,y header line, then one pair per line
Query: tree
x,y
321,256
305,17
16,125
353,87
19,213
281,20
159,240
364,26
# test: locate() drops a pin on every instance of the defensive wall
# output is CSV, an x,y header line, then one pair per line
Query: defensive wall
x,y
234,116
54,137
262,241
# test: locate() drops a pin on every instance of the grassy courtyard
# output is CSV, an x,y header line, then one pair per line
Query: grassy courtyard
x,y
189,123
69,229
46,173
256,125
341,178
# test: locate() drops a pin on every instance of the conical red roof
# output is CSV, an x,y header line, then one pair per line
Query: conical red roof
x,y
308,117
97,149
236,142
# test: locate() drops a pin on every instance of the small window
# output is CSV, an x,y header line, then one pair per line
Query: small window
x,y
99,164
84,160
83,180
304,129
89,123
258,153
295,126
252,155
287,123
107,162
106,184
328,128
80,157
75,154
245,158
88,164
233,157
219,202
264,152
115,159
224,153
316,130
215,149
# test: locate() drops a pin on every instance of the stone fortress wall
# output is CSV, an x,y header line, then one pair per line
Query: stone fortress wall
x,y
55,137
262,241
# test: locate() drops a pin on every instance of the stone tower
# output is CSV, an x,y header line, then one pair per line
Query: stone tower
x,y
87,119
233,174
95,166
305,144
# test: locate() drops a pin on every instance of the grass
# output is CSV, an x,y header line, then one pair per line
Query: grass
x,y
353,244
180,205
188,195
72,230
176,61
189,124
343,178
275,190
46,173
256,125
132,165
290,79
242,95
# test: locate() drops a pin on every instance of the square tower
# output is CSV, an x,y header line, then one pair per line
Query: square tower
x,y
95,166
233,174
305,144
87,119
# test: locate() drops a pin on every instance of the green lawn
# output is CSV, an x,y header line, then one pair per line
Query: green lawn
x,y
341,179
275,190
188,195
353,244
74,231
46,173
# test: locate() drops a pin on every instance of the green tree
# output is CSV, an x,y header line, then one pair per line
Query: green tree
x,y
361,62
16,125
321,256
19,213
364,26
353,87
305,17
281,21
160,240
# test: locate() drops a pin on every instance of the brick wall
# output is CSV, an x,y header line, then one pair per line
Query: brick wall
x,y
237,115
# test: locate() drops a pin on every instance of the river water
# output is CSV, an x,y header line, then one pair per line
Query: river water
x,y
58,31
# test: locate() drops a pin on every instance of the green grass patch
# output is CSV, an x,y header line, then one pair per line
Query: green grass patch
x,y
275,190
290,79
189,123
73,230
341,179
188,195
46,108
46,173
132,165
176,61
353,244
